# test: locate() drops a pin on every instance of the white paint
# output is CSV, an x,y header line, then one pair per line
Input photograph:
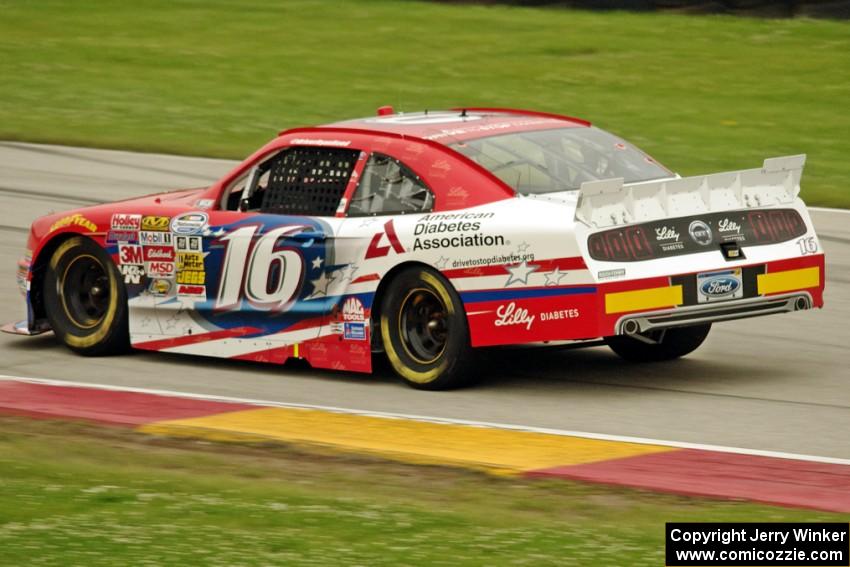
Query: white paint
x,y
428,419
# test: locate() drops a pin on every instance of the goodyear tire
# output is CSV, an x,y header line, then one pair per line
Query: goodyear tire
x,y
85,299
674,343
425,332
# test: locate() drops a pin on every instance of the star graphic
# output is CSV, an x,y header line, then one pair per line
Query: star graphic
x,y
206,232
367,222
349,272
320,285
441,263
219,232
523,247
520,272
317,262
554,277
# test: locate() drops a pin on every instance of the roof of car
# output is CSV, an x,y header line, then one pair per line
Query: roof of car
x,y
459,124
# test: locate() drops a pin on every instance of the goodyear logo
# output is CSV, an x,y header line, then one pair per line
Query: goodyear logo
x,y
159,224
74,220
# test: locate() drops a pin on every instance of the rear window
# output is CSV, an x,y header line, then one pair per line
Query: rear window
x,y
546,161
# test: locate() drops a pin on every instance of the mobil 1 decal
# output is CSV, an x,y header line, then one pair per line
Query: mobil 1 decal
x,y
269,272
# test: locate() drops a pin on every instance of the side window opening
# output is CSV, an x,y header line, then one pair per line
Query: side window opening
x,y
296,181
387,186
307,181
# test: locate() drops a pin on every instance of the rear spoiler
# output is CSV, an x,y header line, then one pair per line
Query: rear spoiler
x,y
610,203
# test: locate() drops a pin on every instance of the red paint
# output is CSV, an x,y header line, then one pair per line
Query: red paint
x,y
376,251
367,278
528,320
691,472
126,409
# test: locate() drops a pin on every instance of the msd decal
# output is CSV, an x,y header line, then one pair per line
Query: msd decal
x,y
375,249
160,269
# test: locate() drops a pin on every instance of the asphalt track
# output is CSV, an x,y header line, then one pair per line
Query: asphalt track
x,y
780,383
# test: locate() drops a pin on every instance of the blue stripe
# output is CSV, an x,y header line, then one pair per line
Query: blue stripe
x,y
506,294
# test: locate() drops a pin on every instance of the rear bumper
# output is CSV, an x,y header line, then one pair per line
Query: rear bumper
x,y
584,312
775,287
712,313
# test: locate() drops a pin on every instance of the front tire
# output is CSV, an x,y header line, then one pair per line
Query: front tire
x,y
425,332
674,343
85,299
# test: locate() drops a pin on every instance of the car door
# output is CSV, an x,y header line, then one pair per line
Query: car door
x,y
260,278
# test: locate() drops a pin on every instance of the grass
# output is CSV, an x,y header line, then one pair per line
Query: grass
x,y
74,494
218,78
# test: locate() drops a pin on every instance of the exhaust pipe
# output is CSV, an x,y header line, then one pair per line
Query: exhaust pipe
x,y
801,304
631,327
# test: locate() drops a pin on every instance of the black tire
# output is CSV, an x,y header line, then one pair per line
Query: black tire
x,y
425,332
674,343
85,299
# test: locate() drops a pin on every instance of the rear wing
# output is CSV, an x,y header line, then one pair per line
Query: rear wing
x,y
608,202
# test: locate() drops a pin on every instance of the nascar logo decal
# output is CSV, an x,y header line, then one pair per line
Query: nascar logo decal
x,y
189,223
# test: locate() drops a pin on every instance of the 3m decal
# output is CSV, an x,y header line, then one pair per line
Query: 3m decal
x,y
132,274
130,254
156,224
159,253
74,220
125,222
375,249
267,276
189,223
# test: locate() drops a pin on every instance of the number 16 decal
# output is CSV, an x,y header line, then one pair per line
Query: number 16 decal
x,y
273,276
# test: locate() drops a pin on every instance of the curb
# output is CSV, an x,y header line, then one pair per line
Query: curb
x,y
499,451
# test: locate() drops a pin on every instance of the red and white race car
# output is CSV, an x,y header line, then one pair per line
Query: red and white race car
x,y
425,236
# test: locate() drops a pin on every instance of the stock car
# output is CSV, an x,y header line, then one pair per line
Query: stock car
x,y
426,236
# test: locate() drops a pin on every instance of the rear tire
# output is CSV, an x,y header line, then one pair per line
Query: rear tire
x,y
425,332
675,343
85,299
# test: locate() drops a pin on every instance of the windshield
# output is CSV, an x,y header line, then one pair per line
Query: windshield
x,y
545,161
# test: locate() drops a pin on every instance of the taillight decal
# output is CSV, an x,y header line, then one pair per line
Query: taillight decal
x,y
668,237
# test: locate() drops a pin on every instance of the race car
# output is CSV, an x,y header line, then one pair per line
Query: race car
x,y
425,236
